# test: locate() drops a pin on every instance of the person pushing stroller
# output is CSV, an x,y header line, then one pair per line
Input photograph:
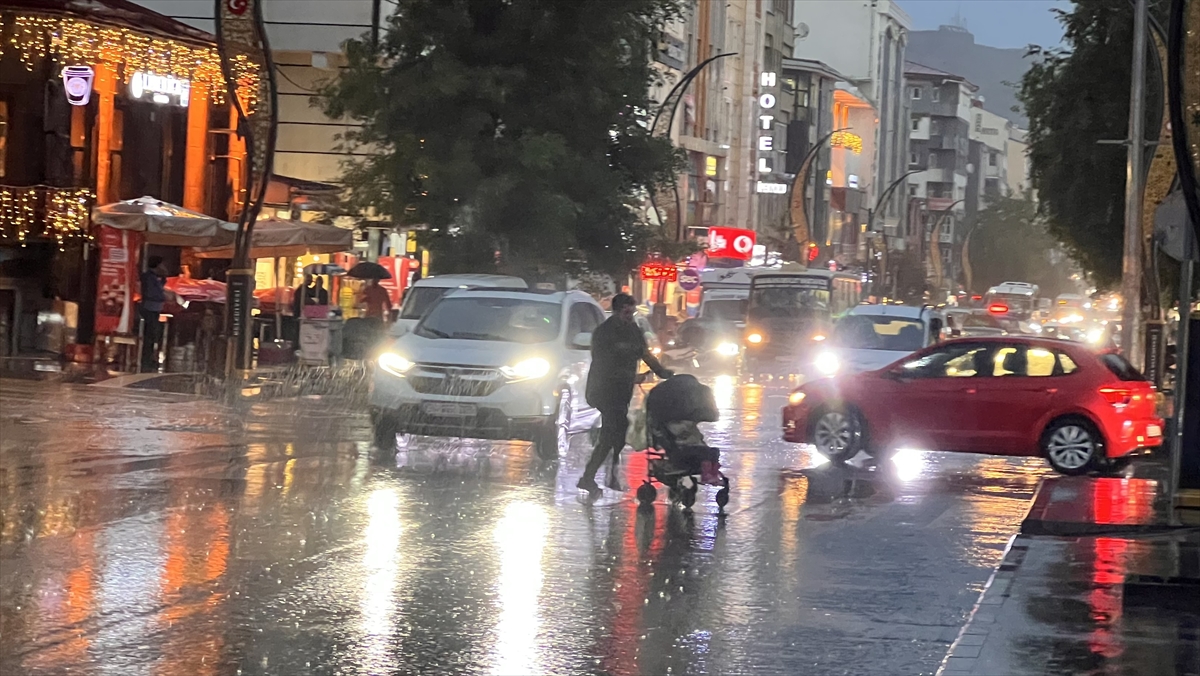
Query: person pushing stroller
x,y
617,347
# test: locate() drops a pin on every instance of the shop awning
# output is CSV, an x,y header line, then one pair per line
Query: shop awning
x,y
164,223
274,237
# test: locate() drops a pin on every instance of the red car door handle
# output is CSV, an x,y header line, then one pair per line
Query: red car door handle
x,y
971,390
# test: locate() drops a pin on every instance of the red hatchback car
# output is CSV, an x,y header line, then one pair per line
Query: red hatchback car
x,y
1009,395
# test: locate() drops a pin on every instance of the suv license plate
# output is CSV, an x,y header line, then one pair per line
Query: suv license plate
x,y
448,410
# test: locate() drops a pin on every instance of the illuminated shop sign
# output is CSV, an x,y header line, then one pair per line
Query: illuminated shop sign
x,y
844,139
161,89
77,82
766,119
666,272
770,188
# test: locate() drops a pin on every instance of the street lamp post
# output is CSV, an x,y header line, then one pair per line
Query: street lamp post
x,y
1131,260
879,204
935,237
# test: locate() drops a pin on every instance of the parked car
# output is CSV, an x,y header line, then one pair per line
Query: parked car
x,y
491,364
871,336
1080,409
429,290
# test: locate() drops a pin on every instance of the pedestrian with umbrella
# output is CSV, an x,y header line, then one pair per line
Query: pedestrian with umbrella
x,y
376,298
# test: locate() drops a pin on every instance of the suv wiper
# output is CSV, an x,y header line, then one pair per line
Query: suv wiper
x,y
478,336
439,334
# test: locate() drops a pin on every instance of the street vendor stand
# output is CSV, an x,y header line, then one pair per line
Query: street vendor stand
x,y
125,229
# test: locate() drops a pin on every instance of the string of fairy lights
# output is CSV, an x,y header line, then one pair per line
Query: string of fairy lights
x,y
62,213
72,41
44,211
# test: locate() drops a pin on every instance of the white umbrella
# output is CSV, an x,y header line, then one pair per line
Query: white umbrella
x,y
276,237
164,223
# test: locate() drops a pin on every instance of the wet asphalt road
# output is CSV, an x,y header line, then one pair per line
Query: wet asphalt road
x,y
145,533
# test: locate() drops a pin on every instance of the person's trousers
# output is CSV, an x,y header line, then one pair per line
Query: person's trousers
x,y
151,338
614,423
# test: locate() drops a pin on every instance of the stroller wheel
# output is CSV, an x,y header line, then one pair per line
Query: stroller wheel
x,y
687,497
722,499
646,493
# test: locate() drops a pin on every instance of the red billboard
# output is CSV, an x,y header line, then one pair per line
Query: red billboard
x,y
118,281
666,272
731,243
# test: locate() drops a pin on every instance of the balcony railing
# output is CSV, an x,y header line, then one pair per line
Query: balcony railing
x,y
38,212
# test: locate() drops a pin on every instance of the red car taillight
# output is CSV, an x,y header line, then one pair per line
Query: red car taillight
x,y
997,309
1117,396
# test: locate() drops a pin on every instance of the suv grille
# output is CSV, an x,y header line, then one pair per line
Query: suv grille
x,y
455,381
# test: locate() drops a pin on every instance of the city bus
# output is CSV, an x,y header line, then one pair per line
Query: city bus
x,y
789,311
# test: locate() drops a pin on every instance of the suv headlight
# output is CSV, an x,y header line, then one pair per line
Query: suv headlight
x,y
528,369
827,364
728,349
394,364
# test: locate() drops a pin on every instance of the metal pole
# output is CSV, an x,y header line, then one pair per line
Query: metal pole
x,y
375,12
1186,270
1131,264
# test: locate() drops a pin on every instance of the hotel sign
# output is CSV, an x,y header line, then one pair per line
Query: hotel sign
x,y
766,119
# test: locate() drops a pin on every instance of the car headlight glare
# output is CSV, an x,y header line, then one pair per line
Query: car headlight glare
x,y
528,369
394,364
754,338
827,364
796,398
728,349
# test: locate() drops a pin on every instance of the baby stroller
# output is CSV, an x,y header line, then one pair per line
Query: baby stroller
x,y
678,457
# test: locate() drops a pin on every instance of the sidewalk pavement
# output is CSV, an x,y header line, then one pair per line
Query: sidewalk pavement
x,y
1097,582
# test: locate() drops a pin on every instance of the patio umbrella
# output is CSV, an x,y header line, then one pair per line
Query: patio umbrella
x,y
369,270
166,224
276,237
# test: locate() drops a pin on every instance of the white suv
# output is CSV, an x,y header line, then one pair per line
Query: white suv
x,y
491,364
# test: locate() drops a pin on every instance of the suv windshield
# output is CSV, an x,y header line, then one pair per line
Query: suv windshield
x,y
419,299
867,332
511,320
731,310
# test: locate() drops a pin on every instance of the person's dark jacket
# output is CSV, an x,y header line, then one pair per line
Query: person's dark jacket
x,y
153,291
617,347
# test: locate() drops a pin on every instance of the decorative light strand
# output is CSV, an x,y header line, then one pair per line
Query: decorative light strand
x,y
44,211
70,41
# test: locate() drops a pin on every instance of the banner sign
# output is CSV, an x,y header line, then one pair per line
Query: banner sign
x,y
118,277
730,243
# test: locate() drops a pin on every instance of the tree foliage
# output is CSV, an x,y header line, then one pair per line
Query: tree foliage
x,y
514,129
1009,242
1075,96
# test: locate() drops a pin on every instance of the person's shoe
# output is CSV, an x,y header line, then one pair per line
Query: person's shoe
x,y
588,484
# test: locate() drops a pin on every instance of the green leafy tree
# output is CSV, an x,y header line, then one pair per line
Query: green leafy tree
x,y
1075,96
1008,241
515,129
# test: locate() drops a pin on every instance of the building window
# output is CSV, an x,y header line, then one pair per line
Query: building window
x,y
935,126
936,95
916,124
912,159
912,190
992,159
916,93
933,160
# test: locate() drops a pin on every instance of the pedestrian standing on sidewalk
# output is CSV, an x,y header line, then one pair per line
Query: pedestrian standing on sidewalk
x,y
154,295
617,347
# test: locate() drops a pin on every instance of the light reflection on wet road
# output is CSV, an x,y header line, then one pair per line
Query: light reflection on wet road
x,y
158,534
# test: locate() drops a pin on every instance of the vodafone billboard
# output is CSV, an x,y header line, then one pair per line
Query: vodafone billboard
x,y
730,243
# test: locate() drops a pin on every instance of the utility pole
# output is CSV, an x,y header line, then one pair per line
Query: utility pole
x,y
1131,263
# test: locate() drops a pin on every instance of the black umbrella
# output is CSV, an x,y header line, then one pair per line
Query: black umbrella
x,y
369,270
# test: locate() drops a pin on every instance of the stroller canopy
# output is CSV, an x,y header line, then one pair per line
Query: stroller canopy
x,y
682,398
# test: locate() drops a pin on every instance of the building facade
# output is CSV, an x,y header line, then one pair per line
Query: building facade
x,y
940,155
99,102
992,133
865,41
